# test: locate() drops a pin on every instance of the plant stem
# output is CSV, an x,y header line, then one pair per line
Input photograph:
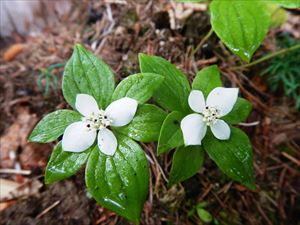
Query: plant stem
x,y
249,124
202,41
267,57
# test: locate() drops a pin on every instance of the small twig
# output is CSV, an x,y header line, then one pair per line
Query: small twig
x,y
207,36
108,30
267,57
154,161
232,76
265,194
207,190
249,124
103,218
121,2
149,158
48,209
150,189
110,18
291,158
225,188
14,171
262,213
160,169
222,203
204,62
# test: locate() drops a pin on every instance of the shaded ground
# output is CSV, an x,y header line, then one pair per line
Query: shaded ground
x,y
117,33
70,206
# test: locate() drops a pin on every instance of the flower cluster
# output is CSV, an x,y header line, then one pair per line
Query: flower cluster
x,y
81,135
219,103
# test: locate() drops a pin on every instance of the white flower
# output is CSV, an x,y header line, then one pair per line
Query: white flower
x,y
219,102
81,135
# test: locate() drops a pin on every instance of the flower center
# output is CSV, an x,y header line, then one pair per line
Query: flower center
x,y
97,121
210,115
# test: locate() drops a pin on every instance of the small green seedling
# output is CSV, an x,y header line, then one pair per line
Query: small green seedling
x,y
46,78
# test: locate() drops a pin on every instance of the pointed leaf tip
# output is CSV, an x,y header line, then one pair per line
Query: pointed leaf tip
x,y
119,182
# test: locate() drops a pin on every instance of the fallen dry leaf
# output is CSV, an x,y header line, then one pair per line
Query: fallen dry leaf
x,y
12,190
4,205
240,187
260,83
35,155
7,187
16,136
12,52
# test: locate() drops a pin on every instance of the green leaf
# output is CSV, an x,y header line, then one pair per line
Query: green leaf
x,y
277,14
138,86
239,113
146,124
64,164
204,215
170,134
53,125
241,25
86,74
287,3
174,90
186,163
119,182
207,79
201,204
233,156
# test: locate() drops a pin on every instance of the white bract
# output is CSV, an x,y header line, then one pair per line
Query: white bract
x,y
81,135
219,103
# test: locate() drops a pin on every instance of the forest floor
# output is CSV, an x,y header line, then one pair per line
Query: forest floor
x,y
117,33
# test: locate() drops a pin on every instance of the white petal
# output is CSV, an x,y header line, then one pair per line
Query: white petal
x,y
221,130
193,129
86,104
197,101
223,99
107,141
77,137
121,111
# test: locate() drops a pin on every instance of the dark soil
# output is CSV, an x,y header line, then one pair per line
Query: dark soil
x,y
74,207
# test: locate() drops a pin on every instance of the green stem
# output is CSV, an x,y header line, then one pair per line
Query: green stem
x,y
57,65
267,57
203,41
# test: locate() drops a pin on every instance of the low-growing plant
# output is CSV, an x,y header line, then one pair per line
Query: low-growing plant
x,y
201,119
102,131
106,122
283,71
243,25
46,78
202,213
195,119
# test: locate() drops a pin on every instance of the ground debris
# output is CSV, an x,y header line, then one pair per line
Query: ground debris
x,y
12,52
16,137
73,208
14,190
